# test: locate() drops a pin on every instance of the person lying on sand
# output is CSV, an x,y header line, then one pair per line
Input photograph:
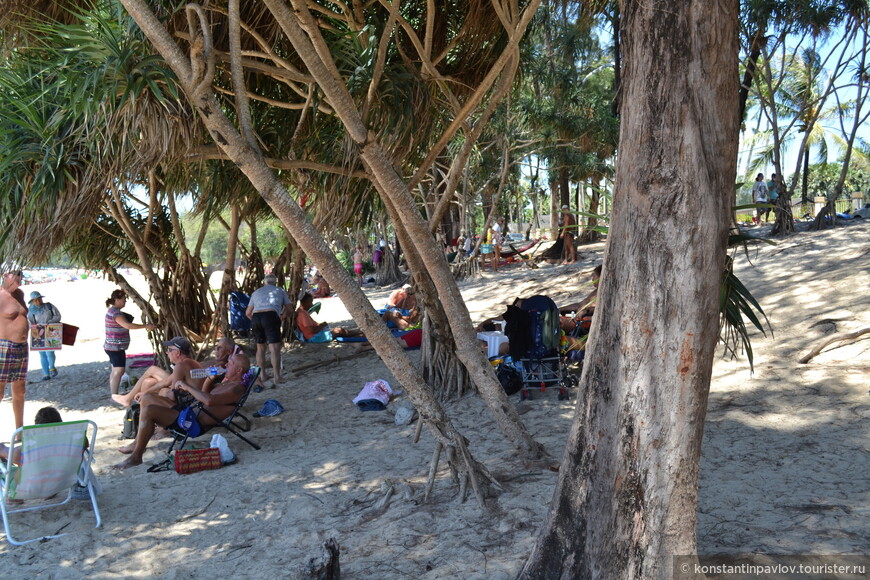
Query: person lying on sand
x,y
314,331
411,339
164,411
155,378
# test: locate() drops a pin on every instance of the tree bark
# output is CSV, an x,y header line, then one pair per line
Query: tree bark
x,y
626,498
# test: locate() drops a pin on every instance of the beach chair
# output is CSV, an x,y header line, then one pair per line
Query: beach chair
x,y
535,335
52,459
236,423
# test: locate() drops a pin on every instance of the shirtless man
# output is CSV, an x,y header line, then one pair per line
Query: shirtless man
x,y
404,298
13,341
155,378
567,235
314,331
164,411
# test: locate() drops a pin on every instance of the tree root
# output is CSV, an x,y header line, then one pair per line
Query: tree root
x,y
845,339
464,470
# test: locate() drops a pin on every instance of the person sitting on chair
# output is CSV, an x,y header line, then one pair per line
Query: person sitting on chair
x,y
163,411
44,416
155,378
314,331
582,310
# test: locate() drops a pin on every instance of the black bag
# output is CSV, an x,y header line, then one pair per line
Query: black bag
x,y
131,422
509,377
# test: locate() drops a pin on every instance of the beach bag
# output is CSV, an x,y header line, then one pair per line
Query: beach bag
x,y
193,460
131,422
69,333
374,396
510,378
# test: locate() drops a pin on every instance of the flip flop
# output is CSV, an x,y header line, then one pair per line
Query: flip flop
x,y
164,465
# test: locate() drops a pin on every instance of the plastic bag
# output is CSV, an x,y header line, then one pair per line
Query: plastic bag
x,y
220,442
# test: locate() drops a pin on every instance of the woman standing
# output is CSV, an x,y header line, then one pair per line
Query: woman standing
x,y
118,327
40,312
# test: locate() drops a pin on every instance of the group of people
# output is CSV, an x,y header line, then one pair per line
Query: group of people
x,y
401,312
163,394
162,401
765,193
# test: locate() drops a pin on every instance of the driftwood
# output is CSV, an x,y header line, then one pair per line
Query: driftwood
x,y
846,338
326,567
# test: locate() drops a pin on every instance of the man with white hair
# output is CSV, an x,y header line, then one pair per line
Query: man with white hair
x,y
269,305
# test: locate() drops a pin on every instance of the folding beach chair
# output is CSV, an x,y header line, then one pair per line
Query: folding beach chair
x,y
52,458
236,423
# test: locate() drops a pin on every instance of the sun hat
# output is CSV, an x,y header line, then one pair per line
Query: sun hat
x,y
34,295
270,408
178,342
565,207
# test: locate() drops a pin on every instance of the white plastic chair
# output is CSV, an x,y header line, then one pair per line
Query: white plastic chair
x,y
51,459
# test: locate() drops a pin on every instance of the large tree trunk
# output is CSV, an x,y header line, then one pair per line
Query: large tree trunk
x,y
627,493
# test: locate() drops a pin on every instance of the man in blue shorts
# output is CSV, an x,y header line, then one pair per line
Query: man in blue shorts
x,y
269,305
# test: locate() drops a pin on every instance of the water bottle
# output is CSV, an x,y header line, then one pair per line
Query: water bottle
x,y
206,372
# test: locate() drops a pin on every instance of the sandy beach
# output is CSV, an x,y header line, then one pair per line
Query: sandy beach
x,y
784,467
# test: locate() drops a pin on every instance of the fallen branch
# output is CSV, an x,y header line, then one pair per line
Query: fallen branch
x,y
329,361
848,337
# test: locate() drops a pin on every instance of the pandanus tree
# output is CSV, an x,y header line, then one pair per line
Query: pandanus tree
x,y
293,43
94,126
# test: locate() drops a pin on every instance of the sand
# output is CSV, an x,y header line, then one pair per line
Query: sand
x,y
784,465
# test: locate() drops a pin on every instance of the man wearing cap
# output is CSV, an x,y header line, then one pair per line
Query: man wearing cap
x,y
269,305
13,341
39,312
567,235
154,379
